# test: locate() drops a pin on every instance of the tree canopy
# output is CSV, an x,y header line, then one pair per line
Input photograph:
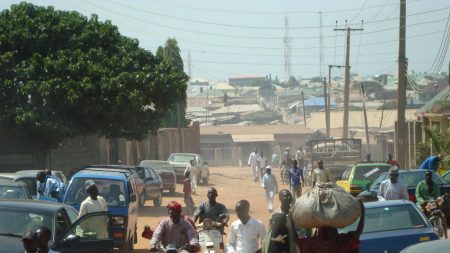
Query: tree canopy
x,y
65,75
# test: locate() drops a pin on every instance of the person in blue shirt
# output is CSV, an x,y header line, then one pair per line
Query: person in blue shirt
x,y
431,163
296,179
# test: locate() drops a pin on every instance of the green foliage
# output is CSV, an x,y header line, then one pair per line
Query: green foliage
x,y
65,75
440,143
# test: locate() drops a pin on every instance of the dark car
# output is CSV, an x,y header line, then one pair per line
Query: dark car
x,y
56,173
19,216
391,226
165,171
13,190
411,178
433,246
153,184
28,179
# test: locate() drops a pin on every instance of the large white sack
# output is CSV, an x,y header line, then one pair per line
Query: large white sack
x,y
326,205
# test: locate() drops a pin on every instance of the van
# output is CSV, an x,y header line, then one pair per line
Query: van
x,y
118,187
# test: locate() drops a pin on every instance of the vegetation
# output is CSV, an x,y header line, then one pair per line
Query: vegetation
x,y
65,75
440,143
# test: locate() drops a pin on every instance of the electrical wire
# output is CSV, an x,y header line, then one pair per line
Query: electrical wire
x,y
441,47
359,12
379,11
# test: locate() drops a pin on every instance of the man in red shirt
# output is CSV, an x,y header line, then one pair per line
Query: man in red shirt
x,y
392,162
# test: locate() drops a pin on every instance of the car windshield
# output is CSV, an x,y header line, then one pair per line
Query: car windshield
x,y
12,192
111,190
158,166
408,179
389,218
17,221
181,158
369,172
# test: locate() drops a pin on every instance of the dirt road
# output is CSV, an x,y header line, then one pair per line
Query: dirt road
x,y
232,184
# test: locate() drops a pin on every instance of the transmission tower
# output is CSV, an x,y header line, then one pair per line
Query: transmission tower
x,y
321,46
189,65
287,50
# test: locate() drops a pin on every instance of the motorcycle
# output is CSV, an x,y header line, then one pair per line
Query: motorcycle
x,y
210,238
435,216
171,248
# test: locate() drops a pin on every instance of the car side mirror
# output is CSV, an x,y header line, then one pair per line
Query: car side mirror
x,y
72,239
133,197
148,179
338,178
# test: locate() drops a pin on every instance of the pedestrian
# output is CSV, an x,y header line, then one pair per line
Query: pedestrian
x,y
285,165
94,203
296,179
329,240
321,174
299,155
29,242
54,187
270,185
391,188
253,163
262,164
246,233
41,177
43,236
392,162
431,163
187,190
193,175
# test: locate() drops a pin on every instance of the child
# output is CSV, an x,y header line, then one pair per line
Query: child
x,y
187,189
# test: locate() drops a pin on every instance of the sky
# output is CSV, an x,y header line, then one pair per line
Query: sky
x,y
246,38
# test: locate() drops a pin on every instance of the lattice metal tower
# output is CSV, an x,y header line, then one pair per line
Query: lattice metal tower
x,y
321,47
287,50
189,65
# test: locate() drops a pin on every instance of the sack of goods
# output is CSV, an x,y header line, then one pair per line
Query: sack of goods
x,y
325,205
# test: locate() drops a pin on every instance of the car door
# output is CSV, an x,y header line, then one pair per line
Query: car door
x,y
89,234
154,184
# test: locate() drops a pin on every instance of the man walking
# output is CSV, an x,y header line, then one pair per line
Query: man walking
x,y
192,175
299,155
253,163
270,185
321,174
262,164
391,189
246,233
285,165
296,179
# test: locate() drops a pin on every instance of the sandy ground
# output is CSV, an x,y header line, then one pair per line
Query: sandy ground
x,y
232,184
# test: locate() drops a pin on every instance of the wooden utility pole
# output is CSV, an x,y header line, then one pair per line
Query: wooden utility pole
x,y
401,89
303,104
347,78
325,98
328,110
382,110
180,140
366,125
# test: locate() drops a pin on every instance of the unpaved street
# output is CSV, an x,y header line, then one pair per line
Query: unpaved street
x,y
232,184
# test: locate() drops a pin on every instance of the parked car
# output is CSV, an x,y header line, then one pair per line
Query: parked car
x,y
433,246
153,184
391,226
356,177
165,171
55,173
29,179
19,216
411,178
13,190
118,188
179,161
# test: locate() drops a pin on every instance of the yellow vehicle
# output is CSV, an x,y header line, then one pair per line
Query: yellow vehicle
x,y
356,177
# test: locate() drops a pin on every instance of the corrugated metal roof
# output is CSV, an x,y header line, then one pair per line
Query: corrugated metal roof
x,y
252,137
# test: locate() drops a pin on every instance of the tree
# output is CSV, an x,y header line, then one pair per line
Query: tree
x,y
440,143
65,75
171,55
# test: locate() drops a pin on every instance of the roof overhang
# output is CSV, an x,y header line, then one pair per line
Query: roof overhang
x,y
240,138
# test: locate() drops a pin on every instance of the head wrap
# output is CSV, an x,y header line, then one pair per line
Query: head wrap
x,y
175,206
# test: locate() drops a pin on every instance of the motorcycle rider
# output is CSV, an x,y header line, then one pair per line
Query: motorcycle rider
x,y
212,210
174,230
425,191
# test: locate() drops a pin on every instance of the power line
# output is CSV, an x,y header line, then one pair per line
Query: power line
x,y
443,40
274,64
379,11
359,11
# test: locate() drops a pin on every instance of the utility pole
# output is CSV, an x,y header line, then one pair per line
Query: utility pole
x,y
401,89
189,65
325,98
366,126
382,110
303,104
347,77
327,113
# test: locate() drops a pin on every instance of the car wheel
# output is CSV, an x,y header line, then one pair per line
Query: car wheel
x,y
158,200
